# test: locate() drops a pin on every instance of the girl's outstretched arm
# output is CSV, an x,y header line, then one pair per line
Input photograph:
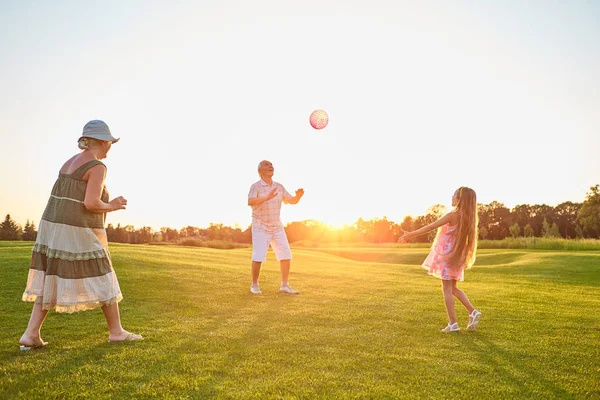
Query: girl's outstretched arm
x,y
448,218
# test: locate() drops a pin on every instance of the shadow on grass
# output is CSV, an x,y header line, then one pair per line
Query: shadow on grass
x,y
71,364
513,368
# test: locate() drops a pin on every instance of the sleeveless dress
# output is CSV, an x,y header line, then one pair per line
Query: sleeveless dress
x,y
70,266
436,262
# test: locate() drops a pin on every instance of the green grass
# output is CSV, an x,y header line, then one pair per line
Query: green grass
x,y
360,329
531,243
541,244
213,244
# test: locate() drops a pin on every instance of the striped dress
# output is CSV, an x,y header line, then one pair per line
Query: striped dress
x,y
70,267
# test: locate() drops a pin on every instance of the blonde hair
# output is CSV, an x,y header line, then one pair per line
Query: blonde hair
x,y
463,252
85,142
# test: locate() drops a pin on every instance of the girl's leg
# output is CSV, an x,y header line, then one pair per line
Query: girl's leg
x,y
116,333
32,336
462,297
449,300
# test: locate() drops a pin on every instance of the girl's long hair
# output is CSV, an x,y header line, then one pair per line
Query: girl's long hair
x,y
465,245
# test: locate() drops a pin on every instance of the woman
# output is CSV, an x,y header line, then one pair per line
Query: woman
x,y
70,267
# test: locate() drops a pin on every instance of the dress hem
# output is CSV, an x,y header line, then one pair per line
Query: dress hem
x,y
71,308
435,274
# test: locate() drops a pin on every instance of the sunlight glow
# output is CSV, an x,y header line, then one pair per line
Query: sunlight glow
x,y
480,95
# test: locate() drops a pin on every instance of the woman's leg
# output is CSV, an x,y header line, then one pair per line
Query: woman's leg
x,y
462,297
32,336
449,300
116,333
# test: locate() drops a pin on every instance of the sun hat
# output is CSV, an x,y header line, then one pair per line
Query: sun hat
x,y
97,129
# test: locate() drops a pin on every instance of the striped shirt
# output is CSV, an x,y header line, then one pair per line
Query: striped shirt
x,y
266,216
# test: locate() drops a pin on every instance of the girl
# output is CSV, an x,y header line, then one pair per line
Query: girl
x,y
452,252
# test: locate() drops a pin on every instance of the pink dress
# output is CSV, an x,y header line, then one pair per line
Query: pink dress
x,y
436,262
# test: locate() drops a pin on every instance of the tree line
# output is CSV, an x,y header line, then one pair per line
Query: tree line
x,y
496,221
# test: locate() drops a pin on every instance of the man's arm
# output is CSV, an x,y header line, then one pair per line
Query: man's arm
x,y
254,201
295,199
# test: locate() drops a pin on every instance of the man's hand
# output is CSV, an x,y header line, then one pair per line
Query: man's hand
x,y
272,194
299,193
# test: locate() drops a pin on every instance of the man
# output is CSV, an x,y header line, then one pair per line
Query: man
x,y
265,198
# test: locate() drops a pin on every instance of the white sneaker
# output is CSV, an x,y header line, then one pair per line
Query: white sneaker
x,y
287,289
451,328
475,317
255,289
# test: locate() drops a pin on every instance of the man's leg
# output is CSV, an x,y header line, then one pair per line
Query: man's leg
x,y
260,245
282,250
284,266
255,272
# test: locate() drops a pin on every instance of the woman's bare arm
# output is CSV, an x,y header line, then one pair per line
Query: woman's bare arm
x,y
93,192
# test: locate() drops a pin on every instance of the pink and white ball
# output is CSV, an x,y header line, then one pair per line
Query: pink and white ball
x,y
319,119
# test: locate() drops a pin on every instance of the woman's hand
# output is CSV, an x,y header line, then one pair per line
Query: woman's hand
x,y
118,203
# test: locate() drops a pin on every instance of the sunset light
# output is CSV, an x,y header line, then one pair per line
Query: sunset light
x,y
422,105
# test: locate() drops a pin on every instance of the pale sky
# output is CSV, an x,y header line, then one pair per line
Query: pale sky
x,y
423,97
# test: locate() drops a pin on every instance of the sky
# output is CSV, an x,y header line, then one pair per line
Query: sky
x,y
422,98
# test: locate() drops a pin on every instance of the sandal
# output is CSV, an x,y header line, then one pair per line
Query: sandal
x,y
451,328
130,337
24,347
474,322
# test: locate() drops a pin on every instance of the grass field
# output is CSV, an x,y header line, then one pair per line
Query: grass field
x,y
367,325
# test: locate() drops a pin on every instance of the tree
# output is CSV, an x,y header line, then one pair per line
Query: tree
x,y
483,233
554,232
528,231
145,234
589,214
521,214
9,229
189,232
495,218
115,234
297,231
384,230
437,210
539,213
29,232
169,234
365,228
545,228
550,230
515,230
566,218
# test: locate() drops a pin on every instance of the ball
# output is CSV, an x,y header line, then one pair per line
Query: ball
x,y
319,119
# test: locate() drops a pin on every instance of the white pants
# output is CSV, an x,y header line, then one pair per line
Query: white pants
x,y
278,241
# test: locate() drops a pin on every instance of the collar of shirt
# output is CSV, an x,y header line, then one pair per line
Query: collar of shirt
x,y
263,183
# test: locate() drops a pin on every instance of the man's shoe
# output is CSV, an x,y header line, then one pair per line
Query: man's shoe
x,y
287,289
255,289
